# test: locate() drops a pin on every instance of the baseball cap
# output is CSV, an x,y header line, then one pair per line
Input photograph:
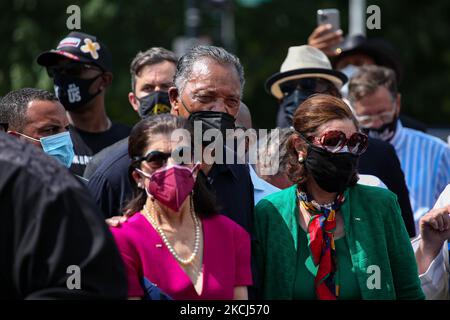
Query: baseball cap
x,y
81,47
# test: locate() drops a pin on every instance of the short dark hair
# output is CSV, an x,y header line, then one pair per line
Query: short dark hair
x,y
141,136
14,105
368,79
151,56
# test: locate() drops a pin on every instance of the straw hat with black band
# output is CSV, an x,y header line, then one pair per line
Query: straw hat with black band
x,y
304,62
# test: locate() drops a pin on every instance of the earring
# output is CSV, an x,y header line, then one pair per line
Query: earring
x,y
139,185
301,159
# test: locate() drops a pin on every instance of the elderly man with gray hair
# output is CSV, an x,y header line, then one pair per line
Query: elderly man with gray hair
x,y
208,87
209,82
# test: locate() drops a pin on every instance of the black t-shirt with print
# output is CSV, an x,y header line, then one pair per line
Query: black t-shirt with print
x,y
87,144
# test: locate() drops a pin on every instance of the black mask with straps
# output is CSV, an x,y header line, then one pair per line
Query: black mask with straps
x,y
73,92
333,172
154,103
385,132
292,101
212,119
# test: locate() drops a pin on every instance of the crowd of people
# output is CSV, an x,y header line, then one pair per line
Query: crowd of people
x,y
357,206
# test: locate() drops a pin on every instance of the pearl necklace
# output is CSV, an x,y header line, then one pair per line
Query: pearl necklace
x,y
166,241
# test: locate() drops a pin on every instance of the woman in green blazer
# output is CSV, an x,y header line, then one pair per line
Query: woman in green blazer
x,y
327,237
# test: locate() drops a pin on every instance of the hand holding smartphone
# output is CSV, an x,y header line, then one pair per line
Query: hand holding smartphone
x,y
328,34
329,16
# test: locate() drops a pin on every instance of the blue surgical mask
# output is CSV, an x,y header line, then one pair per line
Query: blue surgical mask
x,y
349,70
58,146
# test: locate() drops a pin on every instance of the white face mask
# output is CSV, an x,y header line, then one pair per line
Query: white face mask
x,y
349,71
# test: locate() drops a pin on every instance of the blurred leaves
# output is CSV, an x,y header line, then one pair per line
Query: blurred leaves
x,y
419,31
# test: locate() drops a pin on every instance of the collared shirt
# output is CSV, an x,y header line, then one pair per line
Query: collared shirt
x,y
435,281
371,180
261,187
425,160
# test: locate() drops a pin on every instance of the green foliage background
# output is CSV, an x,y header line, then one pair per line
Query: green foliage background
x,y
419,31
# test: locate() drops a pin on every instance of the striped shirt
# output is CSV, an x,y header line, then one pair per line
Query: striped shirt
x,y
425,161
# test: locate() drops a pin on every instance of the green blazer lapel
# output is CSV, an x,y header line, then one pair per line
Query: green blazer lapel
x,y
359,233
289,213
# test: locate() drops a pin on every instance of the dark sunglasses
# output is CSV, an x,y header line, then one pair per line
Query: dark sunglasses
x,y
313,85
335,140
158,158
74,69
4,126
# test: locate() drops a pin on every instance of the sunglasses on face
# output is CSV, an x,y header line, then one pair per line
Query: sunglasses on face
x,y
159,159
313,85
74,69
335,140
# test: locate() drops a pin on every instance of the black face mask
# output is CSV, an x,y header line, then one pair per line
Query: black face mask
x,y
155,103
385,132
332,171
73,92
291,102
214,120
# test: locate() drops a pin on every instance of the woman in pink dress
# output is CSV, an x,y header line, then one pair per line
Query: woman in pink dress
x,y
174,243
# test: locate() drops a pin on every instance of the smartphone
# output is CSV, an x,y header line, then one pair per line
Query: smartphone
x,y
329,16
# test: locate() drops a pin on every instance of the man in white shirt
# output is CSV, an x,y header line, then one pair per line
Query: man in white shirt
x,y
431,249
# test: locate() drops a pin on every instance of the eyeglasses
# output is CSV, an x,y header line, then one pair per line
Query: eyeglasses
x,y
335,140
4,126
74,69
313,85
158,158
369,120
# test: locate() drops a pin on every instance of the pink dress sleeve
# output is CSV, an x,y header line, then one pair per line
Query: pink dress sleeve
x,y
130,260
243,275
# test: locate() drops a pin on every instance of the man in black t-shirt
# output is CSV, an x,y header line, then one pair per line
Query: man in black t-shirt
x,y
81,68
54,243
152,73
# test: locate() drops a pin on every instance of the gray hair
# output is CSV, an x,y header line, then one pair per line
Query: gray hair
x,y
276,139
218,54
368,79
151,56
14,105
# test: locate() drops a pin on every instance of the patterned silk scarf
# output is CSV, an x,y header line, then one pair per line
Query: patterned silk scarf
x,y
322,260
